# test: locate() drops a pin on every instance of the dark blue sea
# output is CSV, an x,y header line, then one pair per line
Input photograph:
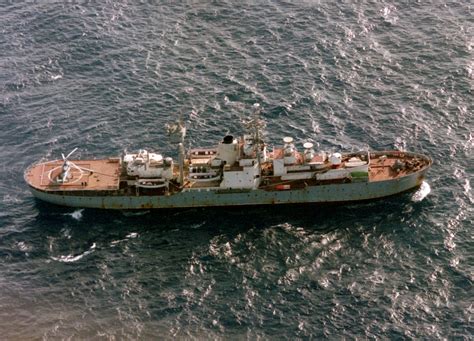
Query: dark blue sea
x,y
347,75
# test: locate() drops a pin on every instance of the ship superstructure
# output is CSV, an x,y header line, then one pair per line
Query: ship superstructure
x,y
238,171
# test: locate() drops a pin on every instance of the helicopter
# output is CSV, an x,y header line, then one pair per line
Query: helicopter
x,y
65,175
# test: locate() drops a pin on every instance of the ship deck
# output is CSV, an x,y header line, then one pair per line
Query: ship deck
x,y
383,165
89,175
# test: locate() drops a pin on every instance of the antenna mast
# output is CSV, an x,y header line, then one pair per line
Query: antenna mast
x,y
177,132
256,124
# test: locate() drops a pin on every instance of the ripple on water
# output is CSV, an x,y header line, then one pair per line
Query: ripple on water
x,y
108,76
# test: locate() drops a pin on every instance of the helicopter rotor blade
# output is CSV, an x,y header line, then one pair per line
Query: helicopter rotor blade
x,y
64,158
80,168
68,155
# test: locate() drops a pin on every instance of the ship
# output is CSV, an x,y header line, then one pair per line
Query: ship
x,y
239,171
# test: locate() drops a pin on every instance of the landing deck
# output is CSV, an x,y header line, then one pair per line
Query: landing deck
x,y
104,175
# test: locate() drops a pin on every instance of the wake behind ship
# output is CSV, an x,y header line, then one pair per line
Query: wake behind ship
x,y
238,171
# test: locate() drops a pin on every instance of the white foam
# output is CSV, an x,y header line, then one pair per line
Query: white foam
x,y
23,246
74,258
127,237
134,213
77,214
422,192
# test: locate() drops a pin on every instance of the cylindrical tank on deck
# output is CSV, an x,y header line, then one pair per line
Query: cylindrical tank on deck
x,y
335,159
289,151
308,152
288,147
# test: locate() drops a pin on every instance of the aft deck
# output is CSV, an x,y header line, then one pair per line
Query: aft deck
x,y
89,175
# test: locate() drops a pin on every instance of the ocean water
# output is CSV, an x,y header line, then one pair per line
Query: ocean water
x,y
107,75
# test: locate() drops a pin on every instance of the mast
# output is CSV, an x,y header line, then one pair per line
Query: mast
x,y
177,132
255,124
257,138
258,125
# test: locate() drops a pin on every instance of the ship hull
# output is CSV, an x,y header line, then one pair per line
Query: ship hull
x,y
212,197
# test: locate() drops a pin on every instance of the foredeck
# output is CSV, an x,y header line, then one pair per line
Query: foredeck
x,y
383,165
89,175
